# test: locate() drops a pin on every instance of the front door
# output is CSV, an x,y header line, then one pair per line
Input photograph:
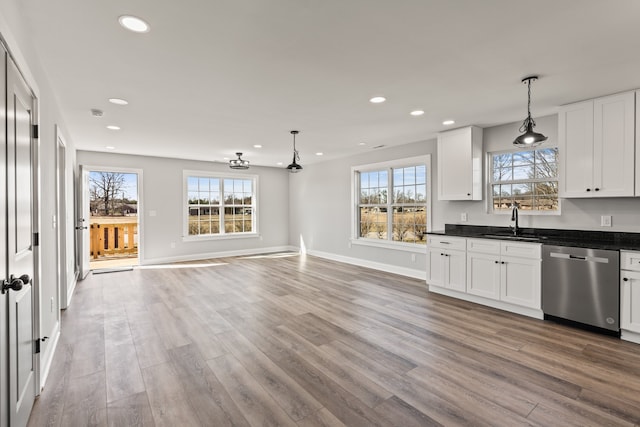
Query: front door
x,y
82,227
20,246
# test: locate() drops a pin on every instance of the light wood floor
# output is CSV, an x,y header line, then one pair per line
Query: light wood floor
x,y
301,341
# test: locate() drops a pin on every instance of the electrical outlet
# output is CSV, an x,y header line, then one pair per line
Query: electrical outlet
x,y
605,221
464,217
413,257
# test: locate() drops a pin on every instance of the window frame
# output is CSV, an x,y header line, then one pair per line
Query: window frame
x,y
424,160
489,183
222,235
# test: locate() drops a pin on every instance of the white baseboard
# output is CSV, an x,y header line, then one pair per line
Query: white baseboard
x,y
633,337
402,271
70,290
46,359
201,256
512,308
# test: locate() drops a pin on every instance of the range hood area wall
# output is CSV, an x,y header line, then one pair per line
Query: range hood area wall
x,y
575,213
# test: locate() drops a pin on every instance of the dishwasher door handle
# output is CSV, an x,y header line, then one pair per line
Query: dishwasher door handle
x,y
579,258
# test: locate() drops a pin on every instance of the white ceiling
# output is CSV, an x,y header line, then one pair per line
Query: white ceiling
x,y
213,77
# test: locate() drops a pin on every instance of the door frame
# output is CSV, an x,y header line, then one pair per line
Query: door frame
x,y
85,191
66,276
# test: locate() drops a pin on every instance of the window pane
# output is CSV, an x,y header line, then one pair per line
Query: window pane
x,y
421,193
364,180
192,183
203,184
383,179
193,197
397,177
502,161
523,158
409,224
409,176
546,169
523,172
547,154
373,223
421,174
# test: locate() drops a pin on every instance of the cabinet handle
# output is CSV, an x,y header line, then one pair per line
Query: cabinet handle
x,y
503,262
597,189
497,262
588,189
441,254
625,279
445,243
468,194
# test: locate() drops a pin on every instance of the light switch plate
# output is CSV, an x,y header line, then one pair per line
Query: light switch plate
x,y
605,221
464,217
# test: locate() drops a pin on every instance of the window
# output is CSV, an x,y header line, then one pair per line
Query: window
x,y
527,178
219,205
392,201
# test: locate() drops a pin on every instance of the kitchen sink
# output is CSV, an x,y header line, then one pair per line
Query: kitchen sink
x,y
512,237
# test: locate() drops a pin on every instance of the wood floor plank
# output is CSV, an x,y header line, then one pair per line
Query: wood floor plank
x,y
294,399
256,404
167,397
312,342
131,411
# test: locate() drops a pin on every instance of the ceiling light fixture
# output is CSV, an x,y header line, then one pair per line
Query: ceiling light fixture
x,y
118,101
319,154
377,99
448,122
529,138
417,113
257,146
294,166
110,147
239,163
133,23
112,127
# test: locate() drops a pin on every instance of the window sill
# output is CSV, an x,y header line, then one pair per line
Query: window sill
x,y
220,237
398,246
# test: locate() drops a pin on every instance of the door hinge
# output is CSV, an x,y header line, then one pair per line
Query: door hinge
x,y
36,239
35,131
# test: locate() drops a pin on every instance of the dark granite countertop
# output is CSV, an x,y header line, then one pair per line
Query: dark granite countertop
x,y
548,236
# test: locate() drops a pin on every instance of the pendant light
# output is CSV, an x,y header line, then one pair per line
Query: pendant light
x,y
294,166
529,138
239,163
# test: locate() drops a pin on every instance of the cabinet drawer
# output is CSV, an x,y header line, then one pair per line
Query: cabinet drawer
x,y
630,260
486,246
446,242
526,250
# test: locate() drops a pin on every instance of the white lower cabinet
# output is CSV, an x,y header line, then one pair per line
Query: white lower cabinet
x,y
446,263
508,278
630,295
498,273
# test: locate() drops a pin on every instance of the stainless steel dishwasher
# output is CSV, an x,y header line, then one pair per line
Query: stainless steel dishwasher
x,y
582,285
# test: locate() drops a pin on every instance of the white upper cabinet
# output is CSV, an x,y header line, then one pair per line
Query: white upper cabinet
x,y
460,164
596,147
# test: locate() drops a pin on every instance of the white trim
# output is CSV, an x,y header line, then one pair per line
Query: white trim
x,y
225,254
46,359
402,271
500,305
386,244
630,336
186,173
405,162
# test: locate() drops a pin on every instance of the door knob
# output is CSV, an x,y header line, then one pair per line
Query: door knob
x,y
25,279
14,283
81,227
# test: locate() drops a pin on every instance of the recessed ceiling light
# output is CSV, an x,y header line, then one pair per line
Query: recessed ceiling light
x,y
225,158
362,143
279,163
377,99
118,101
417,113
112,127
448,122
257,146
133,23
110,147
319,154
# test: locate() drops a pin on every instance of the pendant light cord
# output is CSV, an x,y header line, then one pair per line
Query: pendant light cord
x,y
528,120
296,156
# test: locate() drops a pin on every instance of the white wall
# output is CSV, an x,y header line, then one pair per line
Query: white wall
x,y
321,203
16,34
582,214
321,211
162,188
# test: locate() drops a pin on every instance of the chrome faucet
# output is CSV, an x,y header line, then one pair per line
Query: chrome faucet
x,y
514,218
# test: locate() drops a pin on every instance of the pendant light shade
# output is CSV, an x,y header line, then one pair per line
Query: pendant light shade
x,y
294,166
239,163
529,138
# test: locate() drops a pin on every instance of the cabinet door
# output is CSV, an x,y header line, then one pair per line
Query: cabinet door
x,y
456,263
630,301
483,275
454,165
521,279
435,267
614,145
575,149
